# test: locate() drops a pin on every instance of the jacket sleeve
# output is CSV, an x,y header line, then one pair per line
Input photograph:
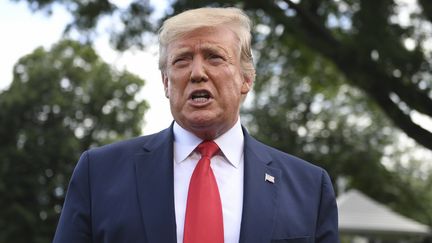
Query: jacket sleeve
x,y
75,220
327,224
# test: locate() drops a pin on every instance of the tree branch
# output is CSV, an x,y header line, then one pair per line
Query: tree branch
x,y
426,5
400,119
314,24
373,76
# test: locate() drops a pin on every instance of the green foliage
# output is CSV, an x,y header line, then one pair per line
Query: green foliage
x,y
61,102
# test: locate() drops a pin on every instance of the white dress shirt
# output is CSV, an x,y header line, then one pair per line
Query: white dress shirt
x,y
228,168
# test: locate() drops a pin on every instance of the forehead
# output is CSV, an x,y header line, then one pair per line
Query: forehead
x,y
218,38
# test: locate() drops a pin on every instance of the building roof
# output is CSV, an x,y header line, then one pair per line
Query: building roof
x,y
359,214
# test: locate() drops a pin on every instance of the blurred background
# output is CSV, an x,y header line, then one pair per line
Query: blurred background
x,y
344,84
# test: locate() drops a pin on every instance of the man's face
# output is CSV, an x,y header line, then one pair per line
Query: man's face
x,y
204,81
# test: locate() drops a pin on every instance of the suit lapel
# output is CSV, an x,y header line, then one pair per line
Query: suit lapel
x,y
260,196
154,177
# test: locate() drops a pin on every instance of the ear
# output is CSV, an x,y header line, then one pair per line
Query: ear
x,y
246,85
165,83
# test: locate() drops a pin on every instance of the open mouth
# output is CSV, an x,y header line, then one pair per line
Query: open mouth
x,y
200,96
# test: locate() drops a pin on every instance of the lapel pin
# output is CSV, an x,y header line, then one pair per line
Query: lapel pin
x,y
269,178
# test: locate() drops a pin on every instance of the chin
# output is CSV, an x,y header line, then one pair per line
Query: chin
x,y
202,124
202,119
204,128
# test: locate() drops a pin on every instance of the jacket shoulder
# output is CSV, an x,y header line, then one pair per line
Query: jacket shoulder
x,y
128,147
283,159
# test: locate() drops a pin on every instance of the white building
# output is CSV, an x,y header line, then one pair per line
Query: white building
x,y
363,220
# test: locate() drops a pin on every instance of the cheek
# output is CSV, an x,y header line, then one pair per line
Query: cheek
x,y
176,88
237,82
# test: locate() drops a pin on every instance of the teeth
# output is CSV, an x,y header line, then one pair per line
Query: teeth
x,y
199,99
201,96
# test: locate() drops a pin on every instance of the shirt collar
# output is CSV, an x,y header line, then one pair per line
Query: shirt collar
x,y
231,143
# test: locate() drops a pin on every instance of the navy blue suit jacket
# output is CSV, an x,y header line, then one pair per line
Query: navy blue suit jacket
x,y
124,192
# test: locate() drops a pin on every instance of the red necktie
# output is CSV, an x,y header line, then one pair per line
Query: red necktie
x,y
203,221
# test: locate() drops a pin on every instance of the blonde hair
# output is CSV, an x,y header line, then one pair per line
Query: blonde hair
x,y
233,18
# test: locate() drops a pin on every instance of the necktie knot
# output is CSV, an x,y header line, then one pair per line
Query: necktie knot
x,y
208,148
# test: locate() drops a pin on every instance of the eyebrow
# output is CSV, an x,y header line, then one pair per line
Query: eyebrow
x,y
180,52
214,48
205,47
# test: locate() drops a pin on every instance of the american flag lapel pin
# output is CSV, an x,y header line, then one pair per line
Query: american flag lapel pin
x,y
269,178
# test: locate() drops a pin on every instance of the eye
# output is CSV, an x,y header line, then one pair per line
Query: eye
x,y
215,58
177,60
180,61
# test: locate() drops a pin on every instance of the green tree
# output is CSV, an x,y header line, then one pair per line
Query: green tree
x,y
61,102
417,175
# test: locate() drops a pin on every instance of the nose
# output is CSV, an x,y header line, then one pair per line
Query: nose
x,y
198,72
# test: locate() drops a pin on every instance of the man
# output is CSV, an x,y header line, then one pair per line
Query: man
x,y
161,188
